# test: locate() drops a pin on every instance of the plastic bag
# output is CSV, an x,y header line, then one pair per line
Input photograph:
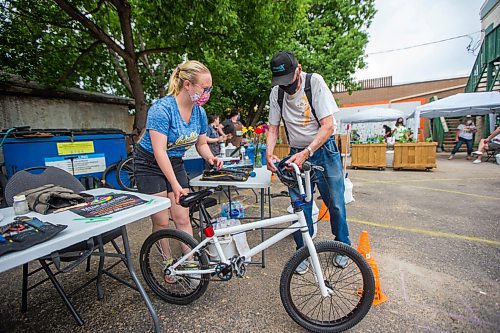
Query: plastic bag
x,y
348,191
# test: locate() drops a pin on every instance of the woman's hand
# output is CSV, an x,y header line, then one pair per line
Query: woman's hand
x,y
179,192
214,161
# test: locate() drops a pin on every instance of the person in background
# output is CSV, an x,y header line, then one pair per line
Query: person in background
x,y
492,142
464,134
400,132
214,138
311,139
387,131
174,123
233,128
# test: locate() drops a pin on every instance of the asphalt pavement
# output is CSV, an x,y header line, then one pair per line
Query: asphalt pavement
x,y
434,234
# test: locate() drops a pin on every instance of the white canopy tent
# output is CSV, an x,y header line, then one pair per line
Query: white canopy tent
x,y
379,114
373,115
475,104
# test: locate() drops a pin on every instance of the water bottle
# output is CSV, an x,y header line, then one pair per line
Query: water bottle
x,y
20,205
222,149
242,151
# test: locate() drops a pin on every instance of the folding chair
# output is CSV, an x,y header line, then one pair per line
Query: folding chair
x,y
73,255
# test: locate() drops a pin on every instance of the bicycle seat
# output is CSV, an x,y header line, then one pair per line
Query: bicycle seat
x,y
195,197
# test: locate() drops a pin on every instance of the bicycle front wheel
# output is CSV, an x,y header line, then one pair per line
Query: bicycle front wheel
x,y
164,248
353,288
125,174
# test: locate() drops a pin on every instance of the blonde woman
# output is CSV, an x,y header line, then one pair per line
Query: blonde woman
x,y
174,123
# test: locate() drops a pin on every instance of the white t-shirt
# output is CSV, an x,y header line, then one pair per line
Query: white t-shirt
x,y
466,131
300,122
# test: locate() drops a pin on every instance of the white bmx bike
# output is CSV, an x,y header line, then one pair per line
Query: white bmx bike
x,y
327,298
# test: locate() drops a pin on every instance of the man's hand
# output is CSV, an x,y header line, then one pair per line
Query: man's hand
x,y
214,161
179,192
299,158
270,162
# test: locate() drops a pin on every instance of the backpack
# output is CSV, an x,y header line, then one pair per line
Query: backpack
x,y
308,91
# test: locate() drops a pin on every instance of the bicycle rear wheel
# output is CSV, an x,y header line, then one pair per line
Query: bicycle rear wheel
x,y
162,249
125,174
353,289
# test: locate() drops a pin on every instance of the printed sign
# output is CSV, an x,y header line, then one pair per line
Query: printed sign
x,y
71,148
78,165
108,204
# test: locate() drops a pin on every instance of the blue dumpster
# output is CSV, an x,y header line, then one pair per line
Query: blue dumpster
x,y
80,152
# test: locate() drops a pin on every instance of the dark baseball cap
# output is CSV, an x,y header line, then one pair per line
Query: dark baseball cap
x,y
283,65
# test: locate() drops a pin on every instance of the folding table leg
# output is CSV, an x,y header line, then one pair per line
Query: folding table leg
x,y
24,292
61,292
100,291
262,198
131,270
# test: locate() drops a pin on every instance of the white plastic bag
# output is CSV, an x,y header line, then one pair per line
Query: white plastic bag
x,y
348,191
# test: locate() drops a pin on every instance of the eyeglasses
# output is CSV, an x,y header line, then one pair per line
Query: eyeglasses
x,y
207,90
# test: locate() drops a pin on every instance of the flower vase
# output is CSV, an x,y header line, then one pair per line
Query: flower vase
x,y
258,160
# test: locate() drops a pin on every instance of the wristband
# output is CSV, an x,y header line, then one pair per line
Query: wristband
x,y
311,152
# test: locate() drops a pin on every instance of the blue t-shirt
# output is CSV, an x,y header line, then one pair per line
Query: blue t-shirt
x,y
164,117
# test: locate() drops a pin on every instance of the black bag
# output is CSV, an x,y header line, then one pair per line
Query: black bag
x,y
225,175
34,232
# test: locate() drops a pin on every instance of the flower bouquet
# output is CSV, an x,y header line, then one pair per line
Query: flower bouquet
x,y
257,138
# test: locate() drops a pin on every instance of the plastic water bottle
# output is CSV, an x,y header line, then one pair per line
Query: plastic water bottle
x,y
242,151
222,149
20,205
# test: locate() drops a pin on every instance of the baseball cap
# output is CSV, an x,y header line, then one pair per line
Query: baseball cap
x,y
283,65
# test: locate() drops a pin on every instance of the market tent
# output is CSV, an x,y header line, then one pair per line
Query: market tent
x,y
373,115
462,104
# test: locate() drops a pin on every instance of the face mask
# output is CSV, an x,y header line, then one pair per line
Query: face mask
x,y
200,99
469,122
291,88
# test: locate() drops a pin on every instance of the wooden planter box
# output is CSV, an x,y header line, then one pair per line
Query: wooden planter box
x,y
415,155
368,156
281,150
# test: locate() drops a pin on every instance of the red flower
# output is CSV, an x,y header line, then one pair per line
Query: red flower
x,y
260,130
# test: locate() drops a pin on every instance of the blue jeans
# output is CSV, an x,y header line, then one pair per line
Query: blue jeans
x,y
330,184
459,144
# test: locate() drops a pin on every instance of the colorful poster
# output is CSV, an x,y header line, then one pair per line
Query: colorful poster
x,y
108,204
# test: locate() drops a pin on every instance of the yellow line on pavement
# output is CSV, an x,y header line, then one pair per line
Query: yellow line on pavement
x,y
456,192
425,232
418,180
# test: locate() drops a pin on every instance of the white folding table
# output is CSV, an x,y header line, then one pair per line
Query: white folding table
x,y
262,181
78,231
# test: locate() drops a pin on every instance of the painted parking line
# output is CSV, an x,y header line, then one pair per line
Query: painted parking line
x,y
419,180
424,232
488,197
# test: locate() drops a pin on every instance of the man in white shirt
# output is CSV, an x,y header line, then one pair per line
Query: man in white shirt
x,y
464,134
310,130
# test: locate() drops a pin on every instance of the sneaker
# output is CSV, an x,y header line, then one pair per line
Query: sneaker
x,y
340,261
302,268
477,152
451,157
476,161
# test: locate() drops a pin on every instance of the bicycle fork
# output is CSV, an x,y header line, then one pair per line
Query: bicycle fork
x,y
325,291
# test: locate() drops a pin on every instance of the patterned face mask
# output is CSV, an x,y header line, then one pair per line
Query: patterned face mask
x,y
200,99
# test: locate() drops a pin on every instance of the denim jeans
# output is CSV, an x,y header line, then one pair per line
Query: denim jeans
x,y
330,184
459,144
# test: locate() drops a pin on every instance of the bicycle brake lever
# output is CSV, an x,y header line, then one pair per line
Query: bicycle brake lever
x,y
319,168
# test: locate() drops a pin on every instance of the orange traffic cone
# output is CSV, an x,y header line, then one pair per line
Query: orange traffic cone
x,y
324,214
364,250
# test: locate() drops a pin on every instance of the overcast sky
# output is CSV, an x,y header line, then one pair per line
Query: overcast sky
x,y
400,23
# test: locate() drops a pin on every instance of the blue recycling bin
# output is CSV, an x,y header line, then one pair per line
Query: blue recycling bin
x,y
80,152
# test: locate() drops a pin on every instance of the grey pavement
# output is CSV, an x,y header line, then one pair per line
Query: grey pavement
x,y
434,235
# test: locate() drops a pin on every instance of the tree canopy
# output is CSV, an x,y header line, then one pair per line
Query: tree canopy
x,y
129,47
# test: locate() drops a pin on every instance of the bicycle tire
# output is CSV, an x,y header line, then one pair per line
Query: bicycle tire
x,y
125,174
358,293
105,175
185,289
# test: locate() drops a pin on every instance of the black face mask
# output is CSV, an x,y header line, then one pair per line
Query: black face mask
x,y
291,88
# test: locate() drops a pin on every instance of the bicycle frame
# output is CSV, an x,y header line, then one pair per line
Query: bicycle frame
x,y
300,224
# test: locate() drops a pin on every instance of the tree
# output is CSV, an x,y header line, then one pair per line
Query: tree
x,y
130,47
